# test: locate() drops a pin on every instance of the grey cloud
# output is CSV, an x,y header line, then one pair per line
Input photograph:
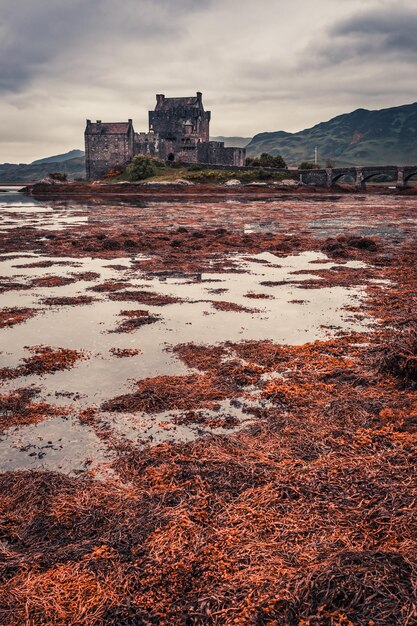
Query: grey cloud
x,y
35,34
381,34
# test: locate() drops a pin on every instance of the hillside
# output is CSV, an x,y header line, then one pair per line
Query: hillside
x,y
23,173
233,142
58,158
384,137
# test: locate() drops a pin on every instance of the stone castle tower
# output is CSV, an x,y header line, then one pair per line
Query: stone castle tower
x,y
107,145
178,131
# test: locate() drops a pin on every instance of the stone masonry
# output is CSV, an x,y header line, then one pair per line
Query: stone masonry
x,y
178,132
107,145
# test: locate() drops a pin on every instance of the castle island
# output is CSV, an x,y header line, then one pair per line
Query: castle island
x,y
178,132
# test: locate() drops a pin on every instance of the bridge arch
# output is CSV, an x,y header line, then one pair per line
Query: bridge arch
x,y
382,172
340,175
408,176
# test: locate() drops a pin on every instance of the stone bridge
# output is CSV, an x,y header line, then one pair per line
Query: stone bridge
x,y
329,176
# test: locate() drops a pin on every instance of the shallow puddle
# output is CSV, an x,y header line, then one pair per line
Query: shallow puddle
x,y
59,444
144,429
284,312
17,209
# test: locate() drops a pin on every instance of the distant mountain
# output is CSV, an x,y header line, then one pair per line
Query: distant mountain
x,y
72,154
23,173
385,137
233,142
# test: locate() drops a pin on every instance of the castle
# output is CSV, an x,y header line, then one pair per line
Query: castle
x,y
178,132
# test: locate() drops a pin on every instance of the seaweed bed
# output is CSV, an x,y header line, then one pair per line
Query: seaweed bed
x,y
44,360
306,517
15,315
135,319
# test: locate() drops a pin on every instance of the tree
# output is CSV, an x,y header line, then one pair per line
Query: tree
x,y
308,165
267,160
141,167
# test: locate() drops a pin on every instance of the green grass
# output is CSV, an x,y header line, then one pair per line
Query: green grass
x,y
170,174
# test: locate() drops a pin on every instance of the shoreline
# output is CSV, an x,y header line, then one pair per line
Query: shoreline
x,y
206,191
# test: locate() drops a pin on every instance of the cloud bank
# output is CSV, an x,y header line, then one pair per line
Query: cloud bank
x,y
270,65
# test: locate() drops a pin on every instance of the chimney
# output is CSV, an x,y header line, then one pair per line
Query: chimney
x,y
199,97
160,98
99,122
88,122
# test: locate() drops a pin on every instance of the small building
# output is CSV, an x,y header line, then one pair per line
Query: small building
x,y
179,131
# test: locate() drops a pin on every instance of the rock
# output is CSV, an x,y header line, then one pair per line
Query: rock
x,y
47,180
287,182
182,181
362,243
234,182
111,244
167,183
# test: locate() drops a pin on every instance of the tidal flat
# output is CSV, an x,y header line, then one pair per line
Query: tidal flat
x,y
208,410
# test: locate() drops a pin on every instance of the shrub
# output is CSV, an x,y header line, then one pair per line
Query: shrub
x,y
141,167
308,165
58,176
267,160
247,176
195,167
265,174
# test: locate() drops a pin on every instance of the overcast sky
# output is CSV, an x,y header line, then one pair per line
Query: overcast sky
x,y
262,65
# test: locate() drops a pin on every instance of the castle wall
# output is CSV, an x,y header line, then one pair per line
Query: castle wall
x,y
146,143
183,150
106,150
187,154
106,153
188,150
236,156
214,152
